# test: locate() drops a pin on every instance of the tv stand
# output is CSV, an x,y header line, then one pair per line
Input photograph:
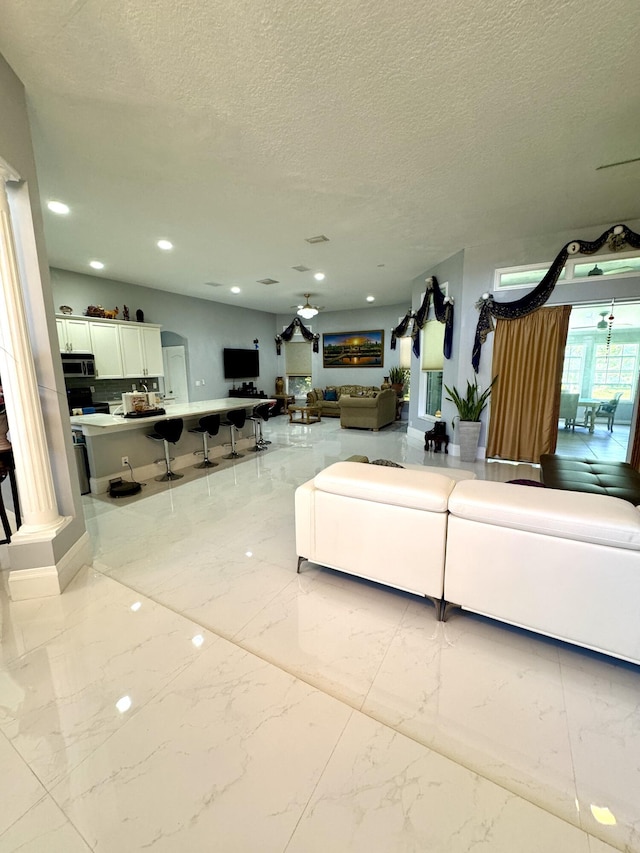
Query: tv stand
x,y
247,392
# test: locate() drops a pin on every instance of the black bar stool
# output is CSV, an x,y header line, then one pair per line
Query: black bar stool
x,y
168,432
260,413
209,425
235,420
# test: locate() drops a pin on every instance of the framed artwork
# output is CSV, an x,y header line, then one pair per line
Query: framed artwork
x,y
353,349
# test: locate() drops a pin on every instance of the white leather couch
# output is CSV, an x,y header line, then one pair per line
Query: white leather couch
x,y
385,524
563,564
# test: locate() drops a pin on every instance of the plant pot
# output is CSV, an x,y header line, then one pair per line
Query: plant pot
x,y
469,437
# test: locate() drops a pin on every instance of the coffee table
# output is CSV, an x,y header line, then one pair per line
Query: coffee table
x,y
308,414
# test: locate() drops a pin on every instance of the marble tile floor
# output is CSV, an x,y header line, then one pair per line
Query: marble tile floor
x,y
191,692
600,444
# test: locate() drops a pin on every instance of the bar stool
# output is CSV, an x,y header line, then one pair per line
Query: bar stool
x,y
235,420
168,432
260,413
209,425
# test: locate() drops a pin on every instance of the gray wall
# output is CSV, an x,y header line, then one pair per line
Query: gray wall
x,y
479,265
204,327
369,318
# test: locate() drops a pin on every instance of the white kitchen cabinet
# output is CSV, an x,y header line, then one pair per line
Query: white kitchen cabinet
x,y
152,346
105,345
123,350
141,351
73,334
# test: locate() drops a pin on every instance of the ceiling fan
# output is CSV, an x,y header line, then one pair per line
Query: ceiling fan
x,y
307,311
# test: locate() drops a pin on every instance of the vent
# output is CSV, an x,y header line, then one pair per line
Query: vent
x,y
301,268
213,284
267,281
319,239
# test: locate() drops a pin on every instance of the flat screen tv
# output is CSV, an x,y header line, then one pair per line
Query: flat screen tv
x,y
241,363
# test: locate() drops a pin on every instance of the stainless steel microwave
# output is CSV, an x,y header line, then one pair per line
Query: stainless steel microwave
x,y
81,365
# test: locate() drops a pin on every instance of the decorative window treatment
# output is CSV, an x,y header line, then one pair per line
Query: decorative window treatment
x,y
443,309
432,350
616,237
286,336
527,359
297,357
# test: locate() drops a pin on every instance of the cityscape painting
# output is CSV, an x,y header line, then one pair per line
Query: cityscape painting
x,y
353,349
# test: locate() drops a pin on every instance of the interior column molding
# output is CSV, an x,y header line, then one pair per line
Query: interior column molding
x,y
33,469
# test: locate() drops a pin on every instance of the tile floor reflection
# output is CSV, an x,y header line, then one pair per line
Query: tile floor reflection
x,y
191,692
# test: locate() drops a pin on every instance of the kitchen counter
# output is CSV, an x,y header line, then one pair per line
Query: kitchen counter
x,y
110,438
98,424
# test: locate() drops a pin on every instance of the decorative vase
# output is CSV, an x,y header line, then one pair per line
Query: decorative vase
x,y
279,385
469,437
385,383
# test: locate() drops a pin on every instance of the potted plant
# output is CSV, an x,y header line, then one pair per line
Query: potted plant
x,y
398,377
469,407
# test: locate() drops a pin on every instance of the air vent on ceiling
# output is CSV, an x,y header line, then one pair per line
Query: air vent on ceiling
x,y
319,239
267,281
301,268
213,284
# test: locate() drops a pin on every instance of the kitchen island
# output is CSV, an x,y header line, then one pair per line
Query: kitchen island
x,y
109,438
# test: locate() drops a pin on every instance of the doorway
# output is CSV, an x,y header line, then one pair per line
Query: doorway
x,y
176,384
601,363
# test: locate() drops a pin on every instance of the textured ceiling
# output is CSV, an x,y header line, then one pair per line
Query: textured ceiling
x,y
403,131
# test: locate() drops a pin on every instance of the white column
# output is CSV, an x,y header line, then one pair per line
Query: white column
x,y
26,425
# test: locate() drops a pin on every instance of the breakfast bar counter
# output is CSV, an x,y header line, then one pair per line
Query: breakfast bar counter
x,y
111,438
97,424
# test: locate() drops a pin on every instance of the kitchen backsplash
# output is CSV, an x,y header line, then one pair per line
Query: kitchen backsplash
x,y
113,389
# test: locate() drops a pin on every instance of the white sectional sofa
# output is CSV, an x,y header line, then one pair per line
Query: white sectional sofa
x,y
385,524
563,564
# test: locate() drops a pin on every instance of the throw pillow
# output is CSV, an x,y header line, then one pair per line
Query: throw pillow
x,y
331,395
319,393
371,393
387,463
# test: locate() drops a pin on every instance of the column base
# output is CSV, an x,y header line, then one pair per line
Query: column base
x,y
50,561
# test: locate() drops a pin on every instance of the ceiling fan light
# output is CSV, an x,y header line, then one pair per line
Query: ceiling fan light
x,y
307,312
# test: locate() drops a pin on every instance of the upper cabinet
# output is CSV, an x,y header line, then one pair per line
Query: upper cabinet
x,y
123,350
105,345
141,351
73,334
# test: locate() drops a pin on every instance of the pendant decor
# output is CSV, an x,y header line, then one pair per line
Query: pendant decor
x,y
443,309
286,336
615,238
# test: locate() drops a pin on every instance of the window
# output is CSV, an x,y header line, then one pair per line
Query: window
x,y
431,364
573,368
618,265
615,371
298,367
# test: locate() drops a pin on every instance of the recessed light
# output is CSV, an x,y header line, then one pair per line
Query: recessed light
x,y
319,276
371,299
165,245
58,207
235,290
97,265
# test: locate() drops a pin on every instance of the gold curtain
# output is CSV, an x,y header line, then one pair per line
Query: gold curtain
x,y
527,359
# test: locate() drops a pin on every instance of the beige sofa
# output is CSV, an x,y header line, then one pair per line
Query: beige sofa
x,y
560,563
368,412
331,408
